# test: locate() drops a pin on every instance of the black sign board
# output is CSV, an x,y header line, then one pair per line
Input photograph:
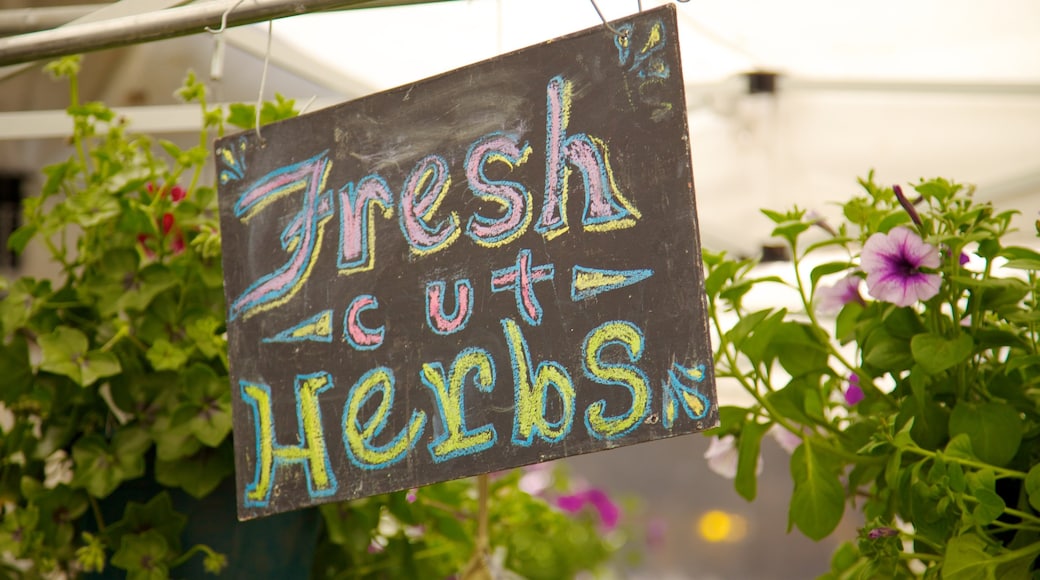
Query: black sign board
x,y
489,268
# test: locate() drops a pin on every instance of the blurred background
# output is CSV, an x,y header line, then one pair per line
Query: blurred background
x,y
788,103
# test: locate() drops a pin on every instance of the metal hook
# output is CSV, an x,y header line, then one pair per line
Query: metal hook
x,y
223,18
622,34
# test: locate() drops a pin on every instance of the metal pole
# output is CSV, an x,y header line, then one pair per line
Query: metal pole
x,y
169,23
21,20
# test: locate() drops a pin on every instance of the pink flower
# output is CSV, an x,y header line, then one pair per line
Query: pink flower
x,y
608,511
788,441
894,262
831,299
853,394
722,457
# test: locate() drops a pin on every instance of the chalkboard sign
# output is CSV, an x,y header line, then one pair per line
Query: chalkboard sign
x,y
489,268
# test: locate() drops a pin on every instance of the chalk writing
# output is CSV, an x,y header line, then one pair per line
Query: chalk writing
x,y
310,453
494,267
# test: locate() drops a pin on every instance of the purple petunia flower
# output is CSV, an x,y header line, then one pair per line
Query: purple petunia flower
x,y
853,394
893,263
608,511
882,532
831,299
907,204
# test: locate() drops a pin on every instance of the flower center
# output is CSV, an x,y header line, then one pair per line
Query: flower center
x,y
906,267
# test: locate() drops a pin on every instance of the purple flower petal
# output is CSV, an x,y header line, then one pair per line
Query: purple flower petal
x,y
609,513
907,205
893,265
882,532
853,395
831,299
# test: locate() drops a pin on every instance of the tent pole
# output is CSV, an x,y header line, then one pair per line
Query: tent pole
x,y
161,24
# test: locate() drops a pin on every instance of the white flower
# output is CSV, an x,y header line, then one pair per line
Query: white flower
x,y
57,469
37,426
722,456
6,418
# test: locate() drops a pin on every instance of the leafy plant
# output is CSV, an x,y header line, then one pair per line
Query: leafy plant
x,y
116,373
916,404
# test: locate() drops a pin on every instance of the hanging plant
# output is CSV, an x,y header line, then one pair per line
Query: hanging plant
x,y
115,411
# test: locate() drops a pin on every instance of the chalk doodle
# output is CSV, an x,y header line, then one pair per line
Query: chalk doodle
x,y
317,328
679,395
648,63
588,282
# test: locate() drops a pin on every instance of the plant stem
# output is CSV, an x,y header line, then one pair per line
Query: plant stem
x,y
96,508
999,471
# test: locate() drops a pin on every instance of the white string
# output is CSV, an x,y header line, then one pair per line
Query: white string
x,y
307,105
263,78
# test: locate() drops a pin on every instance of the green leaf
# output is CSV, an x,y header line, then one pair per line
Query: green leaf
x,y
995,430
64,352
144,556
164,356
158,514
960,447
761,337
15,368
966,559
97,365
205,334
935,354
989,508
199,474
242,115
801,349
206,412
101,466
887,353
1033,486
21,237
828,268
818,500
748,455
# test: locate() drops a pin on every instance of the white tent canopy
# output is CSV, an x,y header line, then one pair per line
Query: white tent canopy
x,y
933,87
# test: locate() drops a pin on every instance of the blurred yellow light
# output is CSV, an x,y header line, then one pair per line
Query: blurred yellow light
x,y
718,526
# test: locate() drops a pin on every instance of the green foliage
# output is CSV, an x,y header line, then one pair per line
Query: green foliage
x,y
923,416
117,370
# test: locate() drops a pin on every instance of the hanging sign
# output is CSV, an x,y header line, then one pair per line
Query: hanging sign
x,y
489,268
